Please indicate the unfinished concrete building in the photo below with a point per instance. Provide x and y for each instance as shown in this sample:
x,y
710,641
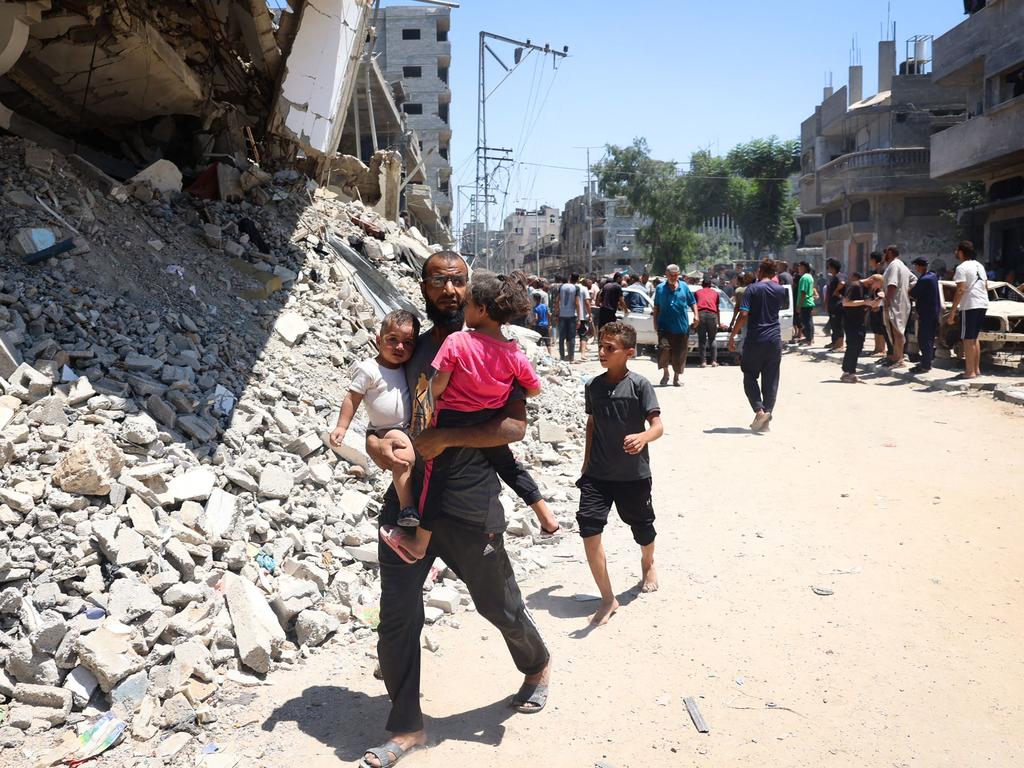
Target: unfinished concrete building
x,y
985,56
412,42
614,234
525,234
865,165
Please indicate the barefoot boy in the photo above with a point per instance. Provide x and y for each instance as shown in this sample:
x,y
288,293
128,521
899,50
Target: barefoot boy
x,y
616,465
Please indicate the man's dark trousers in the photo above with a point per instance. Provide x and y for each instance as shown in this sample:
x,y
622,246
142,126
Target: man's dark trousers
x,y
480,560
927,329
567,334
761,361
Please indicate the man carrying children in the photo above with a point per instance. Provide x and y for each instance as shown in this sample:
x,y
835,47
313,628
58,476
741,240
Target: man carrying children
x,y
467,535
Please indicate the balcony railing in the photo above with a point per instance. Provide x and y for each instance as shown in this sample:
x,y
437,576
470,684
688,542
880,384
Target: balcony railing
x,y
881,160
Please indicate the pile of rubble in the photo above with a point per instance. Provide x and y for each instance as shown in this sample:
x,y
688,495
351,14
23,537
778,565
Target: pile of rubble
x,y
170,515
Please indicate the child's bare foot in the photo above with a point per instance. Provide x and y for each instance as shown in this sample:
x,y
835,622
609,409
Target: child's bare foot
x,y
604,613
650,580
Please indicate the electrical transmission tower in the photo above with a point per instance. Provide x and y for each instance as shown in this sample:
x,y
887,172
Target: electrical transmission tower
x,y
486,155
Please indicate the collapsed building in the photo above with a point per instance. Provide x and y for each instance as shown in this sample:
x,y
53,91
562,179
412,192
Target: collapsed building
x,y
125,83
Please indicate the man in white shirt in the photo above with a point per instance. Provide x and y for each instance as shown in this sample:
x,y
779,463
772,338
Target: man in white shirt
x,y
971,299
898,281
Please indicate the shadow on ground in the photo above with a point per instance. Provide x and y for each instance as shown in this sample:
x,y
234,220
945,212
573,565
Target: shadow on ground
x,y
728,431
350,722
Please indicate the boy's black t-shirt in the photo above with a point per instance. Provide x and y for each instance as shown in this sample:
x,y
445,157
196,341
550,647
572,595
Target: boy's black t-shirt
x,y
619,409
854,316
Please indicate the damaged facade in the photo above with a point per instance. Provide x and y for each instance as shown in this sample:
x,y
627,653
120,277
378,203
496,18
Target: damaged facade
x,y
865,165
125,83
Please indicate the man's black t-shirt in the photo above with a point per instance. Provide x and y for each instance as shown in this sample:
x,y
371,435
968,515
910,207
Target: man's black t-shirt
x,y
611,294
854,317
835,303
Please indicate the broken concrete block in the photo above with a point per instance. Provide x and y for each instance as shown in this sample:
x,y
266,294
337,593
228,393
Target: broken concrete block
x,y
107,652
128,600
351,448
90,467
132,690
30,240
35,384
291,328
549,432
221,513
286,421
445,598
268,281
194,485
81,684
229,183
38,157
364,553
140,429
162,176
275,483
20,502
9,357
305,445
312,628
48,696
257,631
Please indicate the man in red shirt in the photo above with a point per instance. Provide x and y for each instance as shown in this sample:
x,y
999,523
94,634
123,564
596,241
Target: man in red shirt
x,y
708,322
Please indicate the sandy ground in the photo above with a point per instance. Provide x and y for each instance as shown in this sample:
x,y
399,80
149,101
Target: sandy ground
x,y
901,501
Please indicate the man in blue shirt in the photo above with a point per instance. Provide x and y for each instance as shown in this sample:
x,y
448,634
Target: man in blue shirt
x,y
672,300
762,348
928,305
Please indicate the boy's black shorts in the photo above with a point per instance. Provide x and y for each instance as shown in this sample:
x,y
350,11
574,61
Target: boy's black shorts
x,y
632,500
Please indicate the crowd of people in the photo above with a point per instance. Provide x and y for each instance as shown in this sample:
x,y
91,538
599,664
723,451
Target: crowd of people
x,y
445,404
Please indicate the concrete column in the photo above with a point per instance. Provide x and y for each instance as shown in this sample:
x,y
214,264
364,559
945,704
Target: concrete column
x,y
14,25
886,64
820,151
827,93
856,87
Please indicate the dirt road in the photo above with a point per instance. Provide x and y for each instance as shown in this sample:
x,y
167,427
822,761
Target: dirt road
x,y
905,503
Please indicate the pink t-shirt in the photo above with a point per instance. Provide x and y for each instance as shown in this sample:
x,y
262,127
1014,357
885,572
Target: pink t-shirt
x,y
483,371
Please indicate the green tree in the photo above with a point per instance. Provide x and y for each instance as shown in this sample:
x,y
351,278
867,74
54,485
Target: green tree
x,y
654,189
761,203
964,197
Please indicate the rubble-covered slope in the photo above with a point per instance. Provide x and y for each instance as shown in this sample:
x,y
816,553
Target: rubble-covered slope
x,y
168,510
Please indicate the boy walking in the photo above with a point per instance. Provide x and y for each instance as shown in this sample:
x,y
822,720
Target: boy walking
x,y
616,465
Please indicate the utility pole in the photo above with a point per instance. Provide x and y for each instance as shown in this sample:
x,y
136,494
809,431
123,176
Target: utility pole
x,y
483,159
590,211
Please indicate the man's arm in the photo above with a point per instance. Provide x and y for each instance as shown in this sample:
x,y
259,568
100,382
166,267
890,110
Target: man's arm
x,y
738,324
508,426
961,289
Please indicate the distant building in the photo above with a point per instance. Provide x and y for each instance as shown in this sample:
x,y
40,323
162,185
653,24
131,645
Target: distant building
x,y
985,56
615,226
526,234
865,165
413,45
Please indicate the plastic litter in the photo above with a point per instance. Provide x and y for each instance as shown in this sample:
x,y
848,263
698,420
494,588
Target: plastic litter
x,y
263,560
103,734
175,269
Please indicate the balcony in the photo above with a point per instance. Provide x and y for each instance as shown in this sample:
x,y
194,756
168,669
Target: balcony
x,y
987,145
874,171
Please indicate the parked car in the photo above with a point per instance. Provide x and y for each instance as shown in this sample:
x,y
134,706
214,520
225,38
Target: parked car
x,y
647,334
1002,333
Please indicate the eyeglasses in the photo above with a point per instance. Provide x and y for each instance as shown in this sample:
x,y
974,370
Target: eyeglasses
x,y
440,281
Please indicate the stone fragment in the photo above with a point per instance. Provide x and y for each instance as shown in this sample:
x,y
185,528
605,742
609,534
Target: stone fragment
x,y
161,176
353,504
194,485
195,658
221,513
365,553
351,449
9,357
43,696
108,653
90,466
445,598
131,548
257,631
81,684
128,600
144,726
291,328
20,502
275,483
132,690
312,628
140,429
174,743
305,445
242,479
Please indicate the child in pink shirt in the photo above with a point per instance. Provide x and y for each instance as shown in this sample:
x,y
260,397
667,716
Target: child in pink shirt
x,y
476,371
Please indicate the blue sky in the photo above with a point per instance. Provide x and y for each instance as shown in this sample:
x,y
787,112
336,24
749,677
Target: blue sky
x,y
684,74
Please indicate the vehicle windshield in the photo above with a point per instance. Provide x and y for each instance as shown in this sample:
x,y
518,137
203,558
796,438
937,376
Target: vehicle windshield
x,y
724,303
1005,292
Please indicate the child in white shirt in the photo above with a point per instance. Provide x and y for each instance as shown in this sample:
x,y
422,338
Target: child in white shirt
x,y
382,385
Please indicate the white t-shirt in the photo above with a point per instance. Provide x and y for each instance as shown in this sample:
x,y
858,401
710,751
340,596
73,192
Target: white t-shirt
x,y
971,272
385,393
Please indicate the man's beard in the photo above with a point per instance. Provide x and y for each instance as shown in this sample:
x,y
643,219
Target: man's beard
x,y
452,320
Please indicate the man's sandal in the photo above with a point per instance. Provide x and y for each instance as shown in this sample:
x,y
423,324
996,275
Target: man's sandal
x,y
531,698
386,754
